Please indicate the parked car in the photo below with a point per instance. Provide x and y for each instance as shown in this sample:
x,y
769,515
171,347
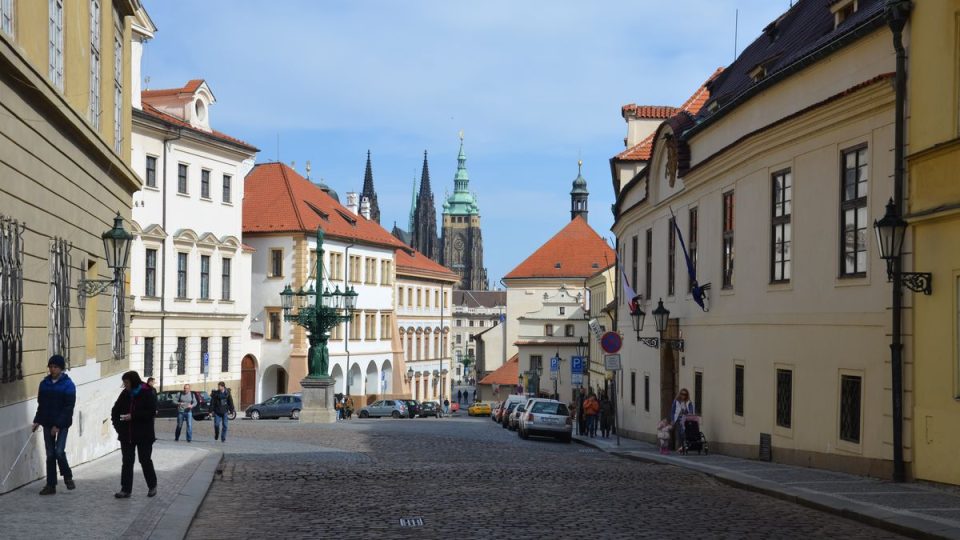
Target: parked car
x,y
413,407
385,407
497,408
279,406
431,408
505,417
513,419
167,404
546,417
479,409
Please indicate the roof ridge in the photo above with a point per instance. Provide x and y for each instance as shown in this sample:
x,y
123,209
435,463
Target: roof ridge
x,y
293,200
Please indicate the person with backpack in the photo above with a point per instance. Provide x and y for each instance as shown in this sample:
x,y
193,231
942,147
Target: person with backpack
x,y
56,399
186,401
132,415
222,404
591,408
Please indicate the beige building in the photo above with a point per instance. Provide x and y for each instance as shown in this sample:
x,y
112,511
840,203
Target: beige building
x,y
64,174
782,170
600,312
474,313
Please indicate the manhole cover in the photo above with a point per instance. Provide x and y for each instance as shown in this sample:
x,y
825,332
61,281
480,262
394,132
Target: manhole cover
x,y
411,522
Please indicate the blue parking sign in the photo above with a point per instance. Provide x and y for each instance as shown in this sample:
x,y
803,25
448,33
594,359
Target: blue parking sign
x,y
206,363
576,365
555,363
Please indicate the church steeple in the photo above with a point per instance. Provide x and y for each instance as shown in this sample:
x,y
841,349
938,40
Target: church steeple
x,y
423,233
369,192
579,195
462,202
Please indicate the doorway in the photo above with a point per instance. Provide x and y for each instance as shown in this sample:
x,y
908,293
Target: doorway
x,y
248,381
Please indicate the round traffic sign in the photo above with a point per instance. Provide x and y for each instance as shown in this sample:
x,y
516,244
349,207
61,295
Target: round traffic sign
x,y
611,342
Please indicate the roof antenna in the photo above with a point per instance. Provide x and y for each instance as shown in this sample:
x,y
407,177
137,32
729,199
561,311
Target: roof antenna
x,y
736,29
278,147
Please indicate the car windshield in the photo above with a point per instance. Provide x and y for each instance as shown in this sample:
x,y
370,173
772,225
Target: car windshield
x,y
547,407
512,406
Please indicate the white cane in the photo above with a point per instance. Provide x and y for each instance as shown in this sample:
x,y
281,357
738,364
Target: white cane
x,y
20,455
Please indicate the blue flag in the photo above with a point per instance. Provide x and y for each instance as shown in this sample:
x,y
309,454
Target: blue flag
x,y
696,290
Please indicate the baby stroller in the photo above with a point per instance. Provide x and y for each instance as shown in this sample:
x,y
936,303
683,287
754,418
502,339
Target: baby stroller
x,y
692,437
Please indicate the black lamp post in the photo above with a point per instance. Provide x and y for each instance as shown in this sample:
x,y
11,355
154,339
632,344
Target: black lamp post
x,y
891,230
661,316
583,352
116,248
328,310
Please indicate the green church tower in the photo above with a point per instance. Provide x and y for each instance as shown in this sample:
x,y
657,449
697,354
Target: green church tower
x,y
462,241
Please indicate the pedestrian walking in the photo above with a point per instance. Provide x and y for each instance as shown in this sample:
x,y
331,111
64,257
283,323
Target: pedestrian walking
x,y
591,408
606,415
56,399
459,396
132,417
474,395
348,407
446,406
152,383
186,401
681,407
222,404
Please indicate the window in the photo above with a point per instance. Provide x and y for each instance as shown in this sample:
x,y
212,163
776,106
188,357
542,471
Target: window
x,y
698,391
117,82
59,330
536,361
227,185
273,324
648,265
568,330
386,272
634,256
56,43
181,275
780,222
336,266
646,393
370,271
693,224
548,330
459,322
205,277
563,311
738,390
471,322
204,184
225,265
148,356
224,354
276,263
204,355
400,296
370,326
410,297
95,64
386,326
633,387
853,213
850,388
337,333
151,174
181,356
436,299
6,17
426,298
11,299
182,178
671,257
150,286
728,240
459,339
355,268
355,327
784,398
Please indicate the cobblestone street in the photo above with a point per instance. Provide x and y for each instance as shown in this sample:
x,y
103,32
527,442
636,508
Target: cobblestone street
x,y
468,478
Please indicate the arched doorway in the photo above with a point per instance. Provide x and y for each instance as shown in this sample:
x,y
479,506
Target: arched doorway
x,y
274,382
355,381
338,379
372,386
386,378
248,381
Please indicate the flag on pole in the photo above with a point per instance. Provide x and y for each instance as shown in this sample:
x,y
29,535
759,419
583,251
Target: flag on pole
x,y
695,289
629,292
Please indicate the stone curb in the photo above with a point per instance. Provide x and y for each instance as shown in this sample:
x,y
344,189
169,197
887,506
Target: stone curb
x,y
177,518
876,516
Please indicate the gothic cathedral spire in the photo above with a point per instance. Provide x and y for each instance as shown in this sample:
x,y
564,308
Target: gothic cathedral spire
x,y
423,234
369,192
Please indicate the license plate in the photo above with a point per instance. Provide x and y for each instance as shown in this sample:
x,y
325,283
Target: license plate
x,y
549,420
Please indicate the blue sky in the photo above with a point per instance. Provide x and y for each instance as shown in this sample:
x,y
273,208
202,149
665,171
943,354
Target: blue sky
x,y
533,84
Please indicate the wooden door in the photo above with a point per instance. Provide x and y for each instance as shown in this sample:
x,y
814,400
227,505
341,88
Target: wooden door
x,y
248,382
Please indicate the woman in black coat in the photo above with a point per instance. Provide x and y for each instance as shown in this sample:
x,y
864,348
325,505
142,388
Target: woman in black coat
x,y
132,416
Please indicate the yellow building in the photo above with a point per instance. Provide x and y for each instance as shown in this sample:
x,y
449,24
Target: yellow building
x,y
65,89
933,93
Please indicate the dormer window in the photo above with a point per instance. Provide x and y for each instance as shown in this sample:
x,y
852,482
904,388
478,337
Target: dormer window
x,y
200,108
843,9
758,73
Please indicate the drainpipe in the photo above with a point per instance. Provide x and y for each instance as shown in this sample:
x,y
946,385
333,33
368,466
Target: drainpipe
x,y
897,14
163,255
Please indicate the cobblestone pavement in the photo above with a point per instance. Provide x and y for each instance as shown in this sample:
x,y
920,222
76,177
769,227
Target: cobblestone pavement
x,y
468,478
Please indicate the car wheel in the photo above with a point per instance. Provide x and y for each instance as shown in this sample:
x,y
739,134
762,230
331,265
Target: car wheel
x,y
255,414
232,415
364,414
395,414
295,414
504,425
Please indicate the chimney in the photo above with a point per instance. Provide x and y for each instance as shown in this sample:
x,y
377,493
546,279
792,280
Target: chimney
x,y
353,202
365,207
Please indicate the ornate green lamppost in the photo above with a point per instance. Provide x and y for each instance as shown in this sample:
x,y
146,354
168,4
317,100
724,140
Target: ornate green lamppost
x,y
329,309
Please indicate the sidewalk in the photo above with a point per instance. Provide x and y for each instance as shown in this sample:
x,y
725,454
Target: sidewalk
x,y
914,509
91,511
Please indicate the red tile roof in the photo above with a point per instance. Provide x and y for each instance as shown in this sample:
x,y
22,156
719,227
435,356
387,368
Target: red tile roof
x,y
150,110
505,375
576,251
411,260
650,112
638,152
188,88
695,102
276,199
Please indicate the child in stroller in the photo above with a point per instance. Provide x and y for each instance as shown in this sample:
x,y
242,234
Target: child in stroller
x,y
691,436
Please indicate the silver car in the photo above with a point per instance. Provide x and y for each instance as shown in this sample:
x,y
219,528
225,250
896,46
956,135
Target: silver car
x,y
385,407
546,417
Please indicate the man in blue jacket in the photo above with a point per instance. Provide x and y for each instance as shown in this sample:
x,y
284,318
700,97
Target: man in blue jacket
x,y
55,401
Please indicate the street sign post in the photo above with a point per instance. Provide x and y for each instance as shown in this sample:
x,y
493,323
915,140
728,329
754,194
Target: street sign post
x,y
576,379
576,365
206,369
612,362
611,342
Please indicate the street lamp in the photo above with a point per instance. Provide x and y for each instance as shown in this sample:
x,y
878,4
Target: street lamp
x,y
661,316
409,375
891,230
116,247
328,310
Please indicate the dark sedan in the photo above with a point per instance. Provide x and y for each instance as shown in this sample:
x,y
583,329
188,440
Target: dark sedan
x,y
280,406
430,408
413,408
167,404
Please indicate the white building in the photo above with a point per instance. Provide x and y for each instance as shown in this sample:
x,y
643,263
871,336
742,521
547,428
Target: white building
x,y
423,315
475,312
553,331
282,211
190,273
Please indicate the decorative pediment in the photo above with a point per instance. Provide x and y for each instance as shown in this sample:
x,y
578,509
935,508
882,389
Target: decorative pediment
x,y
230,243
185,237
208,241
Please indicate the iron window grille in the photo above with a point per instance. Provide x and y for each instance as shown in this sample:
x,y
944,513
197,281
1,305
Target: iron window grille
x,y
204,184
182,178
181,275
151,175
227,181
224,354
648,266
728,250
853,213
671,258
204,353
692,241
59,331
150,284
646,393
11,299
181,356
633,388
784,398
850,408
225,278
780,222
56,43
205,277
148,356
738,373
117,81
698,391
95,64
